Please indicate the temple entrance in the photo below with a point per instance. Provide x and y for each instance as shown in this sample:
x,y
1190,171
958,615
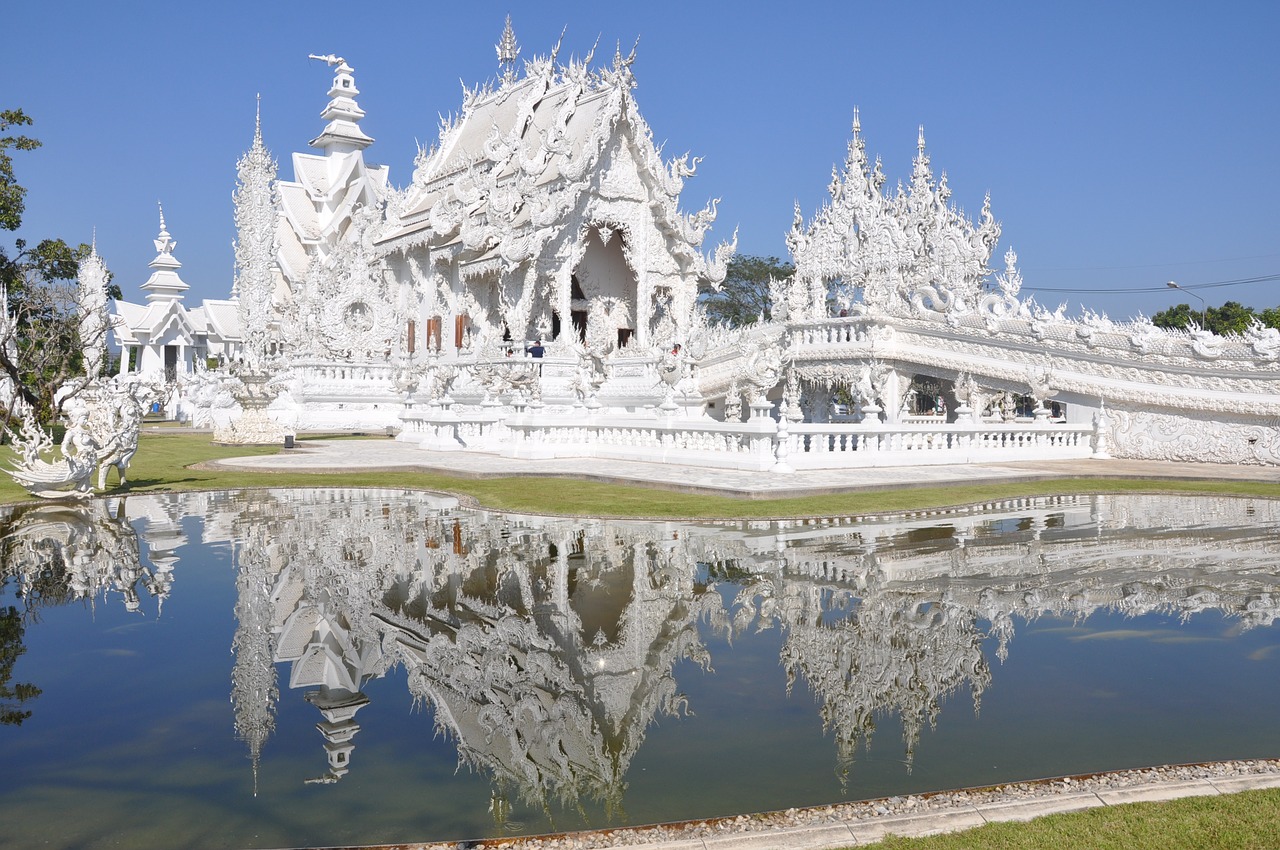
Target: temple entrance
x,y
171,362
603,295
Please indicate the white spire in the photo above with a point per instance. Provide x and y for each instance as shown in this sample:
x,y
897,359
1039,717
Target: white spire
x,y
164,283
256,245
342,134
91,305
508,52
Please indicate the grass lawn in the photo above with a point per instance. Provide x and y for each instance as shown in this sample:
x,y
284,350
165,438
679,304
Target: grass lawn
x,y
1244,821
165,462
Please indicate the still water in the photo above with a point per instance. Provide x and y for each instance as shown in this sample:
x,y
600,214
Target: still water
x,y
268,669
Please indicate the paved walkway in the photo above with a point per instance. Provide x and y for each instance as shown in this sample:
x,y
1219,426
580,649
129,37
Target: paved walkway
x,y
363,455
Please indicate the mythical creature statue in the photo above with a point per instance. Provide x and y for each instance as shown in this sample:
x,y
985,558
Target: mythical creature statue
x,y
1264,341
112,411
69,477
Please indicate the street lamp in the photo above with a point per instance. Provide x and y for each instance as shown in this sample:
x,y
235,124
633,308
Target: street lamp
x,y
1204,308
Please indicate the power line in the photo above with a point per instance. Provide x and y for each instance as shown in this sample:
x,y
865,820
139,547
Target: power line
x,y
1211,285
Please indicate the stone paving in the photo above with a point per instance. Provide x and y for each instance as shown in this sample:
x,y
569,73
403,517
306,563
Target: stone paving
x,y
387,454
851,824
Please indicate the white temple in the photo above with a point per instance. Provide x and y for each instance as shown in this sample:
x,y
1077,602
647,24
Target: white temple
x,y
533,292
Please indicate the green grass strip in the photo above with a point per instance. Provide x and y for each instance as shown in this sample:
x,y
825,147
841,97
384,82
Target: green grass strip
x,y
1249,820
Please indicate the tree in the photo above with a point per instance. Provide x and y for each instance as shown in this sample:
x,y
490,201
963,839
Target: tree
x,y
11,194
40,348
1178,316
1231,317
743,298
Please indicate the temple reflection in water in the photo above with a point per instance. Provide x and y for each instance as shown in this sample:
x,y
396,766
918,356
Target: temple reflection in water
x,y
546,647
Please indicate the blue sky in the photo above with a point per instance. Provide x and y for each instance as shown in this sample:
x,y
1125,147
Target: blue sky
x,y
1123,144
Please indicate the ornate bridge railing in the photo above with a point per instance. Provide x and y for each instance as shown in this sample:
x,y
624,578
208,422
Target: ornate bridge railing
x,y
828,446
758,444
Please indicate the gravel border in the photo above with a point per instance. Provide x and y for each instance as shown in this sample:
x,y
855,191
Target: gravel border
x,y
868,812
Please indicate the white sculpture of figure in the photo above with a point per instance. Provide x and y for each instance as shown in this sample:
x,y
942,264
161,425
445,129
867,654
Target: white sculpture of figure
x,y
69,477
762,370
125,404
866,392
1264,341
967,393
1102,431
733,403
1040,383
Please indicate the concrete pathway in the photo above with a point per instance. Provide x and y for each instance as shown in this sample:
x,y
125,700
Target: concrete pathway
x,y
352,455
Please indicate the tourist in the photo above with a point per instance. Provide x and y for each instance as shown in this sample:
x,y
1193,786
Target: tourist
x,y
536,350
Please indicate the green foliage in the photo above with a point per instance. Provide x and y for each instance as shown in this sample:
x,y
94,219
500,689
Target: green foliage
x,y
743,298
1231,317
38,280
1178,316
12,195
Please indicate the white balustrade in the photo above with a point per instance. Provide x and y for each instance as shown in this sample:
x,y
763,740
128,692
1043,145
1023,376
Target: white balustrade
x,y
753,445
834,446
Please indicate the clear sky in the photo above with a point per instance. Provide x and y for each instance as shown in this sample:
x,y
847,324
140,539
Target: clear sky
x,y
1123,144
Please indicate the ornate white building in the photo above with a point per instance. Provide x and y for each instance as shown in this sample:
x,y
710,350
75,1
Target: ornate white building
x,y
534,291
164,340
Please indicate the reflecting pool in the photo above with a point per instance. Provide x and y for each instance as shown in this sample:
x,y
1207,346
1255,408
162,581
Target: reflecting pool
x,y
327,667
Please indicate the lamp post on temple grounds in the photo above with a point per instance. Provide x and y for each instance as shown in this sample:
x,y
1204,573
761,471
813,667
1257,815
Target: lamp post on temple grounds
x,y
1204,308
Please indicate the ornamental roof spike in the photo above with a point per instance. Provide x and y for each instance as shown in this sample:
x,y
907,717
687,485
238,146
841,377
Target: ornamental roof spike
x,y
621,71
555,51
921,172
591,54
508,51
164,242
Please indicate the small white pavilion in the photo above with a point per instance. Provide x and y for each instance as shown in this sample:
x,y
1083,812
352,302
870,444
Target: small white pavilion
x,y
163,339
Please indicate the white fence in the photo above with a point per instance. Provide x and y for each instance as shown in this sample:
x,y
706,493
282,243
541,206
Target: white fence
x,y
757,444
825,446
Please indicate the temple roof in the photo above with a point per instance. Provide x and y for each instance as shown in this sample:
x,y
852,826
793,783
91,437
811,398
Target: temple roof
x,y
521,154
